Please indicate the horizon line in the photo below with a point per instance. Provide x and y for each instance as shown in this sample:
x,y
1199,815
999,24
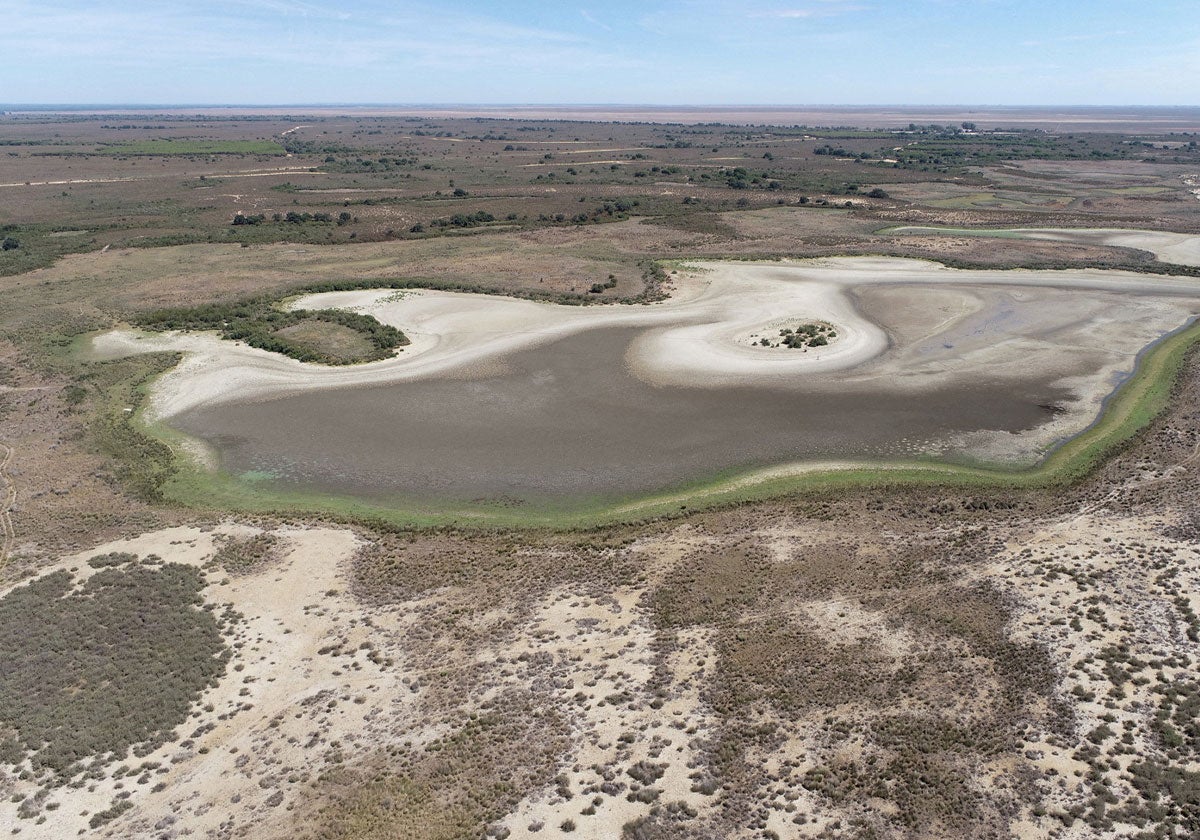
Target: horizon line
x,y
631,105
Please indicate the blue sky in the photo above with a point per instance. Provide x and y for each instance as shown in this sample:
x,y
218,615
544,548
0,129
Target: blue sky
x,y
702,52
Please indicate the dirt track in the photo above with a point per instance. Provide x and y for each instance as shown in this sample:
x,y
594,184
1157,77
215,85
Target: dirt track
x,y
7,534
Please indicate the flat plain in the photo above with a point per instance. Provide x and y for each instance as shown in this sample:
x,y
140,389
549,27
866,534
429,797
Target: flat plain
x,y
878,651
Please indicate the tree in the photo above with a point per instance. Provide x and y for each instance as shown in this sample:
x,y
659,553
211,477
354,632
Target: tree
x,y
9,244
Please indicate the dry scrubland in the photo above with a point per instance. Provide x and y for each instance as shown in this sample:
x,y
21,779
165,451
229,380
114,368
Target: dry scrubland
x,y
892,662
882,664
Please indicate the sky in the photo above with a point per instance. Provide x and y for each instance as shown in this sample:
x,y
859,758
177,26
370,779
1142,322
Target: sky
x,y
660,52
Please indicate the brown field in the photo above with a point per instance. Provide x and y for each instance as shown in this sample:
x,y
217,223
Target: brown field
x,y
882,662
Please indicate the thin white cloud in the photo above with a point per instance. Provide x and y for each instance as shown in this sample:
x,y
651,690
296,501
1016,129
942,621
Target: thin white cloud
x,y
432,50
814,9
278,50
590,18
289,7
137,37
1075,37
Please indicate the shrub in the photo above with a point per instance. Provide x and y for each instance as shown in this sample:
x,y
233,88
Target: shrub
x,y
90,670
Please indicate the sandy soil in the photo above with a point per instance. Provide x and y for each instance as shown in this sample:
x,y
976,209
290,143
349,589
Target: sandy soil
x,y
602,646
302,691
276,668
1177,248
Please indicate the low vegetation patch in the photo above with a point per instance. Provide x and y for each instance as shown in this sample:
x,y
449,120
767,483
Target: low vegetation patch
x,y
328,341
247,554
314,335
89,670
455,786
181,146
784,673
140,463
327,336
713,587
801,337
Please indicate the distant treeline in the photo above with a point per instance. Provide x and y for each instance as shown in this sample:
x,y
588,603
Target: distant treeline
x,y
462,220
291,217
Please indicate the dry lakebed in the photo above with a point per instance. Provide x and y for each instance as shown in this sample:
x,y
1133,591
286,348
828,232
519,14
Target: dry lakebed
x,y
507,401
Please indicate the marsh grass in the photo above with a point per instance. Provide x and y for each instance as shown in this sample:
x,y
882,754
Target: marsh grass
x,y
140,462
325,340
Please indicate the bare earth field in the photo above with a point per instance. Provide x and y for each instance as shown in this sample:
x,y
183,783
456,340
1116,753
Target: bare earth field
x,y
877,656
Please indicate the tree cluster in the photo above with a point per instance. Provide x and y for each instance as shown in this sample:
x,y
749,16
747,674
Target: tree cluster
x,y
257,322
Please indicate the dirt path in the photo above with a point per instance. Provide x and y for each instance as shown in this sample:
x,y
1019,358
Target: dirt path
x,y
252,173
7,534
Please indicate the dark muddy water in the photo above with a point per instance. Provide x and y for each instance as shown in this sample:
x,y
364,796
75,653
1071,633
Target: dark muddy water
x,y
566,421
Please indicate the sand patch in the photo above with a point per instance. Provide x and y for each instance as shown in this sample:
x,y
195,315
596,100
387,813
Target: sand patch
x,y
258,735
